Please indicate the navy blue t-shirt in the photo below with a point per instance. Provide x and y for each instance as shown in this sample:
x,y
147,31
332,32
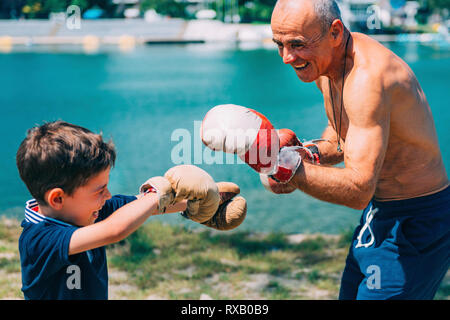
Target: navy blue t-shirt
x,y
48,272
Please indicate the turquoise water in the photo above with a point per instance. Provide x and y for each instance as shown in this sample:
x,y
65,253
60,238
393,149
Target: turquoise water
x,y
139,98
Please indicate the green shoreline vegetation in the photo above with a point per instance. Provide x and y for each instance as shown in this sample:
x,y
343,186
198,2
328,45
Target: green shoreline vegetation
x,y
161,261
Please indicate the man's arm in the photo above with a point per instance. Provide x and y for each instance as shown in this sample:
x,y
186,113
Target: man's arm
x,y
119,225
364,151
328,149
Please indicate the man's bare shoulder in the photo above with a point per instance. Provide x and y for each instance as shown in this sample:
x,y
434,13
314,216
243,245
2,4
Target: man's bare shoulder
x,y
383,67
369,83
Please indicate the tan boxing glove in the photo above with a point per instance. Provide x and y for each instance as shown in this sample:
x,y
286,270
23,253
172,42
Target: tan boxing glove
x,y
232,209
212,205
186,182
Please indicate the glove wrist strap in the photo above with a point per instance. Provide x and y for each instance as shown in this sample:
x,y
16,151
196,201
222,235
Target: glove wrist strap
x,y
289,160
313,147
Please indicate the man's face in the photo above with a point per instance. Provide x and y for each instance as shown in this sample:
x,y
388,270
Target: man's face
x,y
301,41
82,207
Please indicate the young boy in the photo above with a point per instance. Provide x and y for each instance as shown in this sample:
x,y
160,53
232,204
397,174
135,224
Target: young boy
x,y
67,224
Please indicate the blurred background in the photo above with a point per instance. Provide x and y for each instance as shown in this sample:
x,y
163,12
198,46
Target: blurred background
x,y
139,70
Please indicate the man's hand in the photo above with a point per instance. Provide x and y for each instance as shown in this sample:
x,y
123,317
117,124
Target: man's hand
x,y
287,139
309,152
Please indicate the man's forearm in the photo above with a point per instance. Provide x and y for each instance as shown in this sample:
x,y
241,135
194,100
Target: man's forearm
x,y
335,185
329,155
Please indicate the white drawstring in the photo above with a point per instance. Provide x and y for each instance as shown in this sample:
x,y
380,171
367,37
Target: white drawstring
x,y
369,218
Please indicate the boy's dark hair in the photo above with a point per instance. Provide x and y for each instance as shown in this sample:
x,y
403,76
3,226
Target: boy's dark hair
x,y
61,155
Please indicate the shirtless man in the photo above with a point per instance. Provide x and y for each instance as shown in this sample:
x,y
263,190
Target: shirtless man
x,y
381,126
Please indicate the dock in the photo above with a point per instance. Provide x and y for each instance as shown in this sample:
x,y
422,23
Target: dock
x,y
128,33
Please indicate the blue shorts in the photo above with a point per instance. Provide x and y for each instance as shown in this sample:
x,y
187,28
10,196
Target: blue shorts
x,y
400,250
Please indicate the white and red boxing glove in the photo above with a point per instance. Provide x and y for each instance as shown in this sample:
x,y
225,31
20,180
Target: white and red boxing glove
x,y
312,149
287,139
250,135
308,150
243,131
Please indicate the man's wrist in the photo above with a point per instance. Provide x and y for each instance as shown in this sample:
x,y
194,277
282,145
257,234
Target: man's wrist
x,y
298,179
313,147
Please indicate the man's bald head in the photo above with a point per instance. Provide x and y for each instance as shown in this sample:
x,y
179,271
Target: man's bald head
x,y
309,35
325,11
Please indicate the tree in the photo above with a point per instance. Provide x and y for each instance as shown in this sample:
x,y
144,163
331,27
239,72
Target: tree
x,y
165,7
256,10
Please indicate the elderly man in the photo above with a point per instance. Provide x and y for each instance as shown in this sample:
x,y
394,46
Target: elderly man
x,y
380,125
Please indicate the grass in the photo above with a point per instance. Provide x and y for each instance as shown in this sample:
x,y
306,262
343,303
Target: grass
x,y
171,262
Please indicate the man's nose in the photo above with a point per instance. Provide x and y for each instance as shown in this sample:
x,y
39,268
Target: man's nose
x,y
288,57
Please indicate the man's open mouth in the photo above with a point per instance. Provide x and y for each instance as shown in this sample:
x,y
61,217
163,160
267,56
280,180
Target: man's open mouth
x,y
301,66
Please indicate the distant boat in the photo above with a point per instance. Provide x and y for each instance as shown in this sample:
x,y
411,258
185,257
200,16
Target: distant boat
x,y
93,13
132,13
205,14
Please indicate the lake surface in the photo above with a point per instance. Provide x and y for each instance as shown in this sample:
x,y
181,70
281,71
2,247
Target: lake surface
x,y
144,98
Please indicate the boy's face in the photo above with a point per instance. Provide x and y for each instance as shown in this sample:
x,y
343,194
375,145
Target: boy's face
x,y
82,207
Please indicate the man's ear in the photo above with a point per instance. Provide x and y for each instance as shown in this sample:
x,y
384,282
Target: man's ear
x,y
55,198
337,32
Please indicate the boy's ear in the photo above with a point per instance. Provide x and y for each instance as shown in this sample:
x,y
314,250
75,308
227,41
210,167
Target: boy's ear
x,y
55,198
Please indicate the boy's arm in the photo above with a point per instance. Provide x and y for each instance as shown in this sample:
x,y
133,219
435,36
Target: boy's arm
x,y
177,207
119,225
